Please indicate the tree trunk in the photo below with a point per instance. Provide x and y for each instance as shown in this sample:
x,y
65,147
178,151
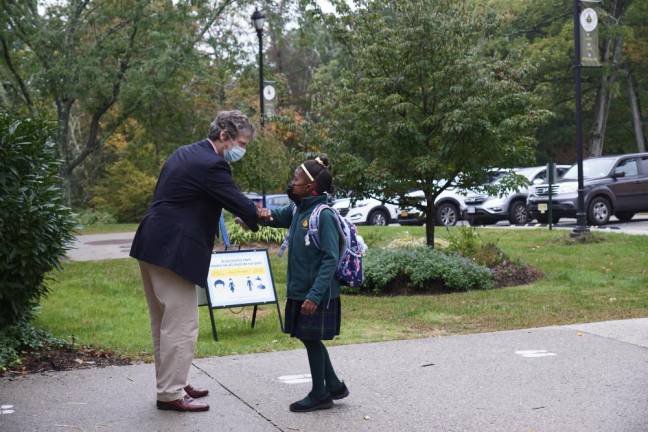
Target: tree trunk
x,y
611,57
430,221
604,99
635,106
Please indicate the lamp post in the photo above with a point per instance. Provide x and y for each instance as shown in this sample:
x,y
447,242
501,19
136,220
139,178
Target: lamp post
x,y
581,217
258,19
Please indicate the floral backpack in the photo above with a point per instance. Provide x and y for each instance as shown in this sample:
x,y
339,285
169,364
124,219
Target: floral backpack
x,y
349,269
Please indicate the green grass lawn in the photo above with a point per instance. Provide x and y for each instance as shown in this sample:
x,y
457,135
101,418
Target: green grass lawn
x,y
102,303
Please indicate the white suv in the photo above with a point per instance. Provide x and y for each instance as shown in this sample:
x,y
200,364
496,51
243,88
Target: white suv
x,y
449,206
369,211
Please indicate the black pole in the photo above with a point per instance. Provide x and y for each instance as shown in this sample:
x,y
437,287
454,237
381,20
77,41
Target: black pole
x,y
581,227
260,35
262,109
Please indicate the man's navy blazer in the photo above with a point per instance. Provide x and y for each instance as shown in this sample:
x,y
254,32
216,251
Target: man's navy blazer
x,y
180,225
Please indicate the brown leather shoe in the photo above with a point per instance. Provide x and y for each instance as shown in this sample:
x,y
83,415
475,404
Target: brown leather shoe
x,y
196,392
185,404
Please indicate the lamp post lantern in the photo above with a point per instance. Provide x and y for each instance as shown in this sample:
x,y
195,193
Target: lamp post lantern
x,y
258,20
581,217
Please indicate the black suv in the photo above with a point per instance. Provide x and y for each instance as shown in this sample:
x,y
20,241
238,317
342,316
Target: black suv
x,y
613,185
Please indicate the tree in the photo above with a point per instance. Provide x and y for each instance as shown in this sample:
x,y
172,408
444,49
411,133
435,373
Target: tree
x,y
266,165
96,63
425,98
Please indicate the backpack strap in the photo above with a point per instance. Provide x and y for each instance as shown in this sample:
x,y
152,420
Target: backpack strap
x,y
284,245
313,227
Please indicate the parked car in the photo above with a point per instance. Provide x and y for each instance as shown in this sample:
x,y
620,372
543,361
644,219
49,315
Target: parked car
x,y
276,201
369,211
449,206
256,198
613,185
483,208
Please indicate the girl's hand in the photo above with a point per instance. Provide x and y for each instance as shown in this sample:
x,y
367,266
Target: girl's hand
x,y
264,214
308,307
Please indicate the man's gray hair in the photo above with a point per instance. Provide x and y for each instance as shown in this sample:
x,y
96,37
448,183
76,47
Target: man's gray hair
x,y
232,122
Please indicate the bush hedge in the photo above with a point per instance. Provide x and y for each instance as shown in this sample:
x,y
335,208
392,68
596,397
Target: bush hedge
x,y
421,270
35,224
268,235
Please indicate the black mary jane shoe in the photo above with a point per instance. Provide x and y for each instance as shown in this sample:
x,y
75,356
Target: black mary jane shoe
x,y
310,403
340,393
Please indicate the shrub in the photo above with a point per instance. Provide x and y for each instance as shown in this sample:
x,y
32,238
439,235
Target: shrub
x,y
35,225
469,244
421,270
23,336
125,191
268,235
92,217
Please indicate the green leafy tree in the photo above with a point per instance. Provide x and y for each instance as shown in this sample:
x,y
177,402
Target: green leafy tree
x,y
95,63
266,165
424,99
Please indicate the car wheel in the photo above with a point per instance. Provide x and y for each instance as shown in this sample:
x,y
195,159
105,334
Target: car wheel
x,y
518,213
624,216
447,214
379,217
599,211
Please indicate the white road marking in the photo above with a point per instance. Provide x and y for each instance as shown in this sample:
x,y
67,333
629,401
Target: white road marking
x,y
295,379
535,353
7,409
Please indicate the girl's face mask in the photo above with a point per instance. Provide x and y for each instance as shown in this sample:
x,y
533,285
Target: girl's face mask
x,y
299,187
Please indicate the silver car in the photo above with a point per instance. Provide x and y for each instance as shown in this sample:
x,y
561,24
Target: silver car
x,y
483,208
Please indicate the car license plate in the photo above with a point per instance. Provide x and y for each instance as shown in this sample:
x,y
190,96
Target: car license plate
x,y
404,213
471,210
542,207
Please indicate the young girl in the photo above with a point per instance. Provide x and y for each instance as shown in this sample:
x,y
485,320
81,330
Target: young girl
x,y
313,310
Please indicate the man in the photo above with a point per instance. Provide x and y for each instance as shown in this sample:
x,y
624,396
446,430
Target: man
x,y
174,242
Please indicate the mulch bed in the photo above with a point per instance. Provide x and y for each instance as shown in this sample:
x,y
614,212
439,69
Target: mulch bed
x,y
57,358
510,273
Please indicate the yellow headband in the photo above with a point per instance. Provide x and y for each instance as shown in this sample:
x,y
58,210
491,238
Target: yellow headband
x,y
303,167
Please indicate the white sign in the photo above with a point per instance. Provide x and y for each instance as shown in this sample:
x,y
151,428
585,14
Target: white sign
x,y
589,19
269,92
240,278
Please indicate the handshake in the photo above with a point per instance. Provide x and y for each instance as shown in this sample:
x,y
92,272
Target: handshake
x,y
263,214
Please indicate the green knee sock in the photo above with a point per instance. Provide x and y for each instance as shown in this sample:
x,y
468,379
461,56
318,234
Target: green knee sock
x,y
317,363
332,381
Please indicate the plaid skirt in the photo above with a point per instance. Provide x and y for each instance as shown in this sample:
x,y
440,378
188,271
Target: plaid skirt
x,y
324,324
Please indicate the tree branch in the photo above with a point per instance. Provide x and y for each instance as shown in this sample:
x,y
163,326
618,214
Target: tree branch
x,y
14,72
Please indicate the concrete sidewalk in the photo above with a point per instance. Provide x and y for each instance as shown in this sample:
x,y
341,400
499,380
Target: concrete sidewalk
x,y
591,377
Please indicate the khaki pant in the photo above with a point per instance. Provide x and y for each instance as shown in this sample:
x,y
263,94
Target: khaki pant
x,y
174,325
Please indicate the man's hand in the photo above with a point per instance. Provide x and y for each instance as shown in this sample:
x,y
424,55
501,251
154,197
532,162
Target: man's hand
x,y
308,307
264,214
240,222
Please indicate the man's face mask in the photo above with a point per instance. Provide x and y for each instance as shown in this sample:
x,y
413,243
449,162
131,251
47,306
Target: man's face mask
x,y
234,153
